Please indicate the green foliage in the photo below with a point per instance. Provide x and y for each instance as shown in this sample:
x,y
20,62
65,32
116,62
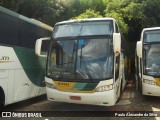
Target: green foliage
x,y
119,19
131,15
44,10
89,13
133,11
114,9
11,4
124,11
151,10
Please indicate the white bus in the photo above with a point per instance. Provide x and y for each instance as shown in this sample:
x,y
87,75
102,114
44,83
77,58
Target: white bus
x,y
148,62
86,62
21,71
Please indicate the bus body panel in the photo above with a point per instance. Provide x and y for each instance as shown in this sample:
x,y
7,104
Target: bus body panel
x,y
98,98
13,78
8,58
88,97
148,89
73,90
21,71
151,88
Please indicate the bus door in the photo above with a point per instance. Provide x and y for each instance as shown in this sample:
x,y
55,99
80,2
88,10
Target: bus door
x,y
117,75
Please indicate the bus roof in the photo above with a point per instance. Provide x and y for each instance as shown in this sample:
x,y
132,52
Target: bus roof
x,y
83,20
151,28
21,17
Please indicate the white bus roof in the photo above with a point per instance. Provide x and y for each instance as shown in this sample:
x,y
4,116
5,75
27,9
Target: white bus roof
x,y
151,28
148,29
87,19
24,18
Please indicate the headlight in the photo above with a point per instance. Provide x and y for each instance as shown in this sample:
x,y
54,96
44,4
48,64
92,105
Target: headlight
x,y
50,85
151,82
104,88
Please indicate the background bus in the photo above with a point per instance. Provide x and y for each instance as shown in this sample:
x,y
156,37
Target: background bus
x,y
148,62
87,62
21,71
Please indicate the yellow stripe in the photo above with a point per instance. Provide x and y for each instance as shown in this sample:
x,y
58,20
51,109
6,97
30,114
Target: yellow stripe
x,y
54,57
157,81
67,87
64,86
46,26
6,61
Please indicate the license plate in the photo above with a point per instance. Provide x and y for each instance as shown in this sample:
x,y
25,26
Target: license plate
x,y
75,97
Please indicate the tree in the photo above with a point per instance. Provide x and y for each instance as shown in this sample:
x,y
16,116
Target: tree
x,y
11,4
48,11
151,10
124,11
89,13
131,15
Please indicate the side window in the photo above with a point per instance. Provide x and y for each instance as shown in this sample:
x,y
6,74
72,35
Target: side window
x,y
117,67
117,28
9,30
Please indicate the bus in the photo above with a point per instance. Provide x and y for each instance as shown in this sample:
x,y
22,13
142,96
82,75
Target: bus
x,y
21,71
148,62
86,62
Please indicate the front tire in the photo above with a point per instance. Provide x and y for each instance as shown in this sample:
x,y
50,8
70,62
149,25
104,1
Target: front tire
x,y
2,99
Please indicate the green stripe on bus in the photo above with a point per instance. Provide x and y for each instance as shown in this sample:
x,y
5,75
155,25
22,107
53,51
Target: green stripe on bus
x,y
78,86
84,86
90,86
32,65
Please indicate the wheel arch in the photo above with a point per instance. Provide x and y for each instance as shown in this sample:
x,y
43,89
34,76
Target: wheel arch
x,y
2,97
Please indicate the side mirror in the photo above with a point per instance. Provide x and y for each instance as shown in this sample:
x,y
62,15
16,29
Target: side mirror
x,y
117,43
38,46
139,49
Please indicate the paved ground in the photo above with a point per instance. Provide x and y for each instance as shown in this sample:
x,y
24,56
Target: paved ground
x,y
130,101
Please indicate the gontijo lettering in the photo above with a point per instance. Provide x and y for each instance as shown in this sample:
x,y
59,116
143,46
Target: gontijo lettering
x,y
4,58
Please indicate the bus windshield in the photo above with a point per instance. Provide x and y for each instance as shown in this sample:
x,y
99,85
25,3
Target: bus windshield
x,y
151,36
81,58
152,59
83,29
151,54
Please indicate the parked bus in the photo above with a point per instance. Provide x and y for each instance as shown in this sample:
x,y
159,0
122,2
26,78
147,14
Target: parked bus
x,y
86,63
148,62
21,71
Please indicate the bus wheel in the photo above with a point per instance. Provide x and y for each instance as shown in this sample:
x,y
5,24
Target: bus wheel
x,y
2,98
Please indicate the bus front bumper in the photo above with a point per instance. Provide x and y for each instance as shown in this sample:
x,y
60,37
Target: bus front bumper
x,y
106,98
151,90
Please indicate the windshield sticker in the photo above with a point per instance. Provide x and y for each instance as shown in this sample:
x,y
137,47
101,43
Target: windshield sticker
x,y
81,42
